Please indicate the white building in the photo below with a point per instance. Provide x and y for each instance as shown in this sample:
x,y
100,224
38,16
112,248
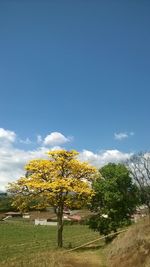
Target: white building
x,y
44,222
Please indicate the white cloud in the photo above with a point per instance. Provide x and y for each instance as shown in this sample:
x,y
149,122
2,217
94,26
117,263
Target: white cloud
x,y
56,148
27,141
103,157
121,136
7,136
39,139
55,139
13,159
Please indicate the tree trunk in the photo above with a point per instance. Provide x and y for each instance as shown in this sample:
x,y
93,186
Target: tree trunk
x,y
60,226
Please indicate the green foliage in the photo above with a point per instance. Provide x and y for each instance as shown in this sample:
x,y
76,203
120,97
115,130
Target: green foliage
x,y
145,195
115,199
6,203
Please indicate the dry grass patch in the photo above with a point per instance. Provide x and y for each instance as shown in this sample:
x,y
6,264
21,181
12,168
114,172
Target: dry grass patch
x,y
57,259
131,249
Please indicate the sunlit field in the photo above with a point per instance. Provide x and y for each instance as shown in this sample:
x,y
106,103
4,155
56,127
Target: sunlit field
x,y
23,243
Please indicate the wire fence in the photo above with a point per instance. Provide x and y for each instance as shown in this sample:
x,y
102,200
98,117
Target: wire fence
x,y
93,241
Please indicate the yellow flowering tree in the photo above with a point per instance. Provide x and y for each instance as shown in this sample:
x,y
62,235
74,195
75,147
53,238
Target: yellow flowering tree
x,y
60,181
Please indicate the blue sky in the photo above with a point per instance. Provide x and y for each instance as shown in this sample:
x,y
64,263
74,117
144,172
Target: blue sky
x,y
79,68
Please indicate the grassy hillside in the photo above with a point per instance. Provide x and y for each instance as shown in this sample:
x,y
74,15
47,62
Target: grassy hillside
x,y
132,248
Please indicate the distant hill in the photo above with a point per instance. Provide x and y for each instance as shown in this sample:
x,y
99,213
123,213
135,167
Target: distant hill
x,y
132,248
3,194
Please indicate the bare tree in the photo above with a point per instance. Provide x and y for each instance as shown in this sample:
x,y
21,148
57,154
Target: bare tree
x,y
139,166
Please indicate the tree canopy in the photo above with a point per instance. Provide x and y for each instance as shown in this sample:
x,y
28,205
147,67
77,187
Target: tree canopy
x,y
115,199
5,203
60,181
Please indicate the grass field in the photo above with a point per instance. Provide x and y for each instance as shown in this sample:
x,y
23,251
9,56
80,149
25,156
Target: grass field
x,y
22,242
